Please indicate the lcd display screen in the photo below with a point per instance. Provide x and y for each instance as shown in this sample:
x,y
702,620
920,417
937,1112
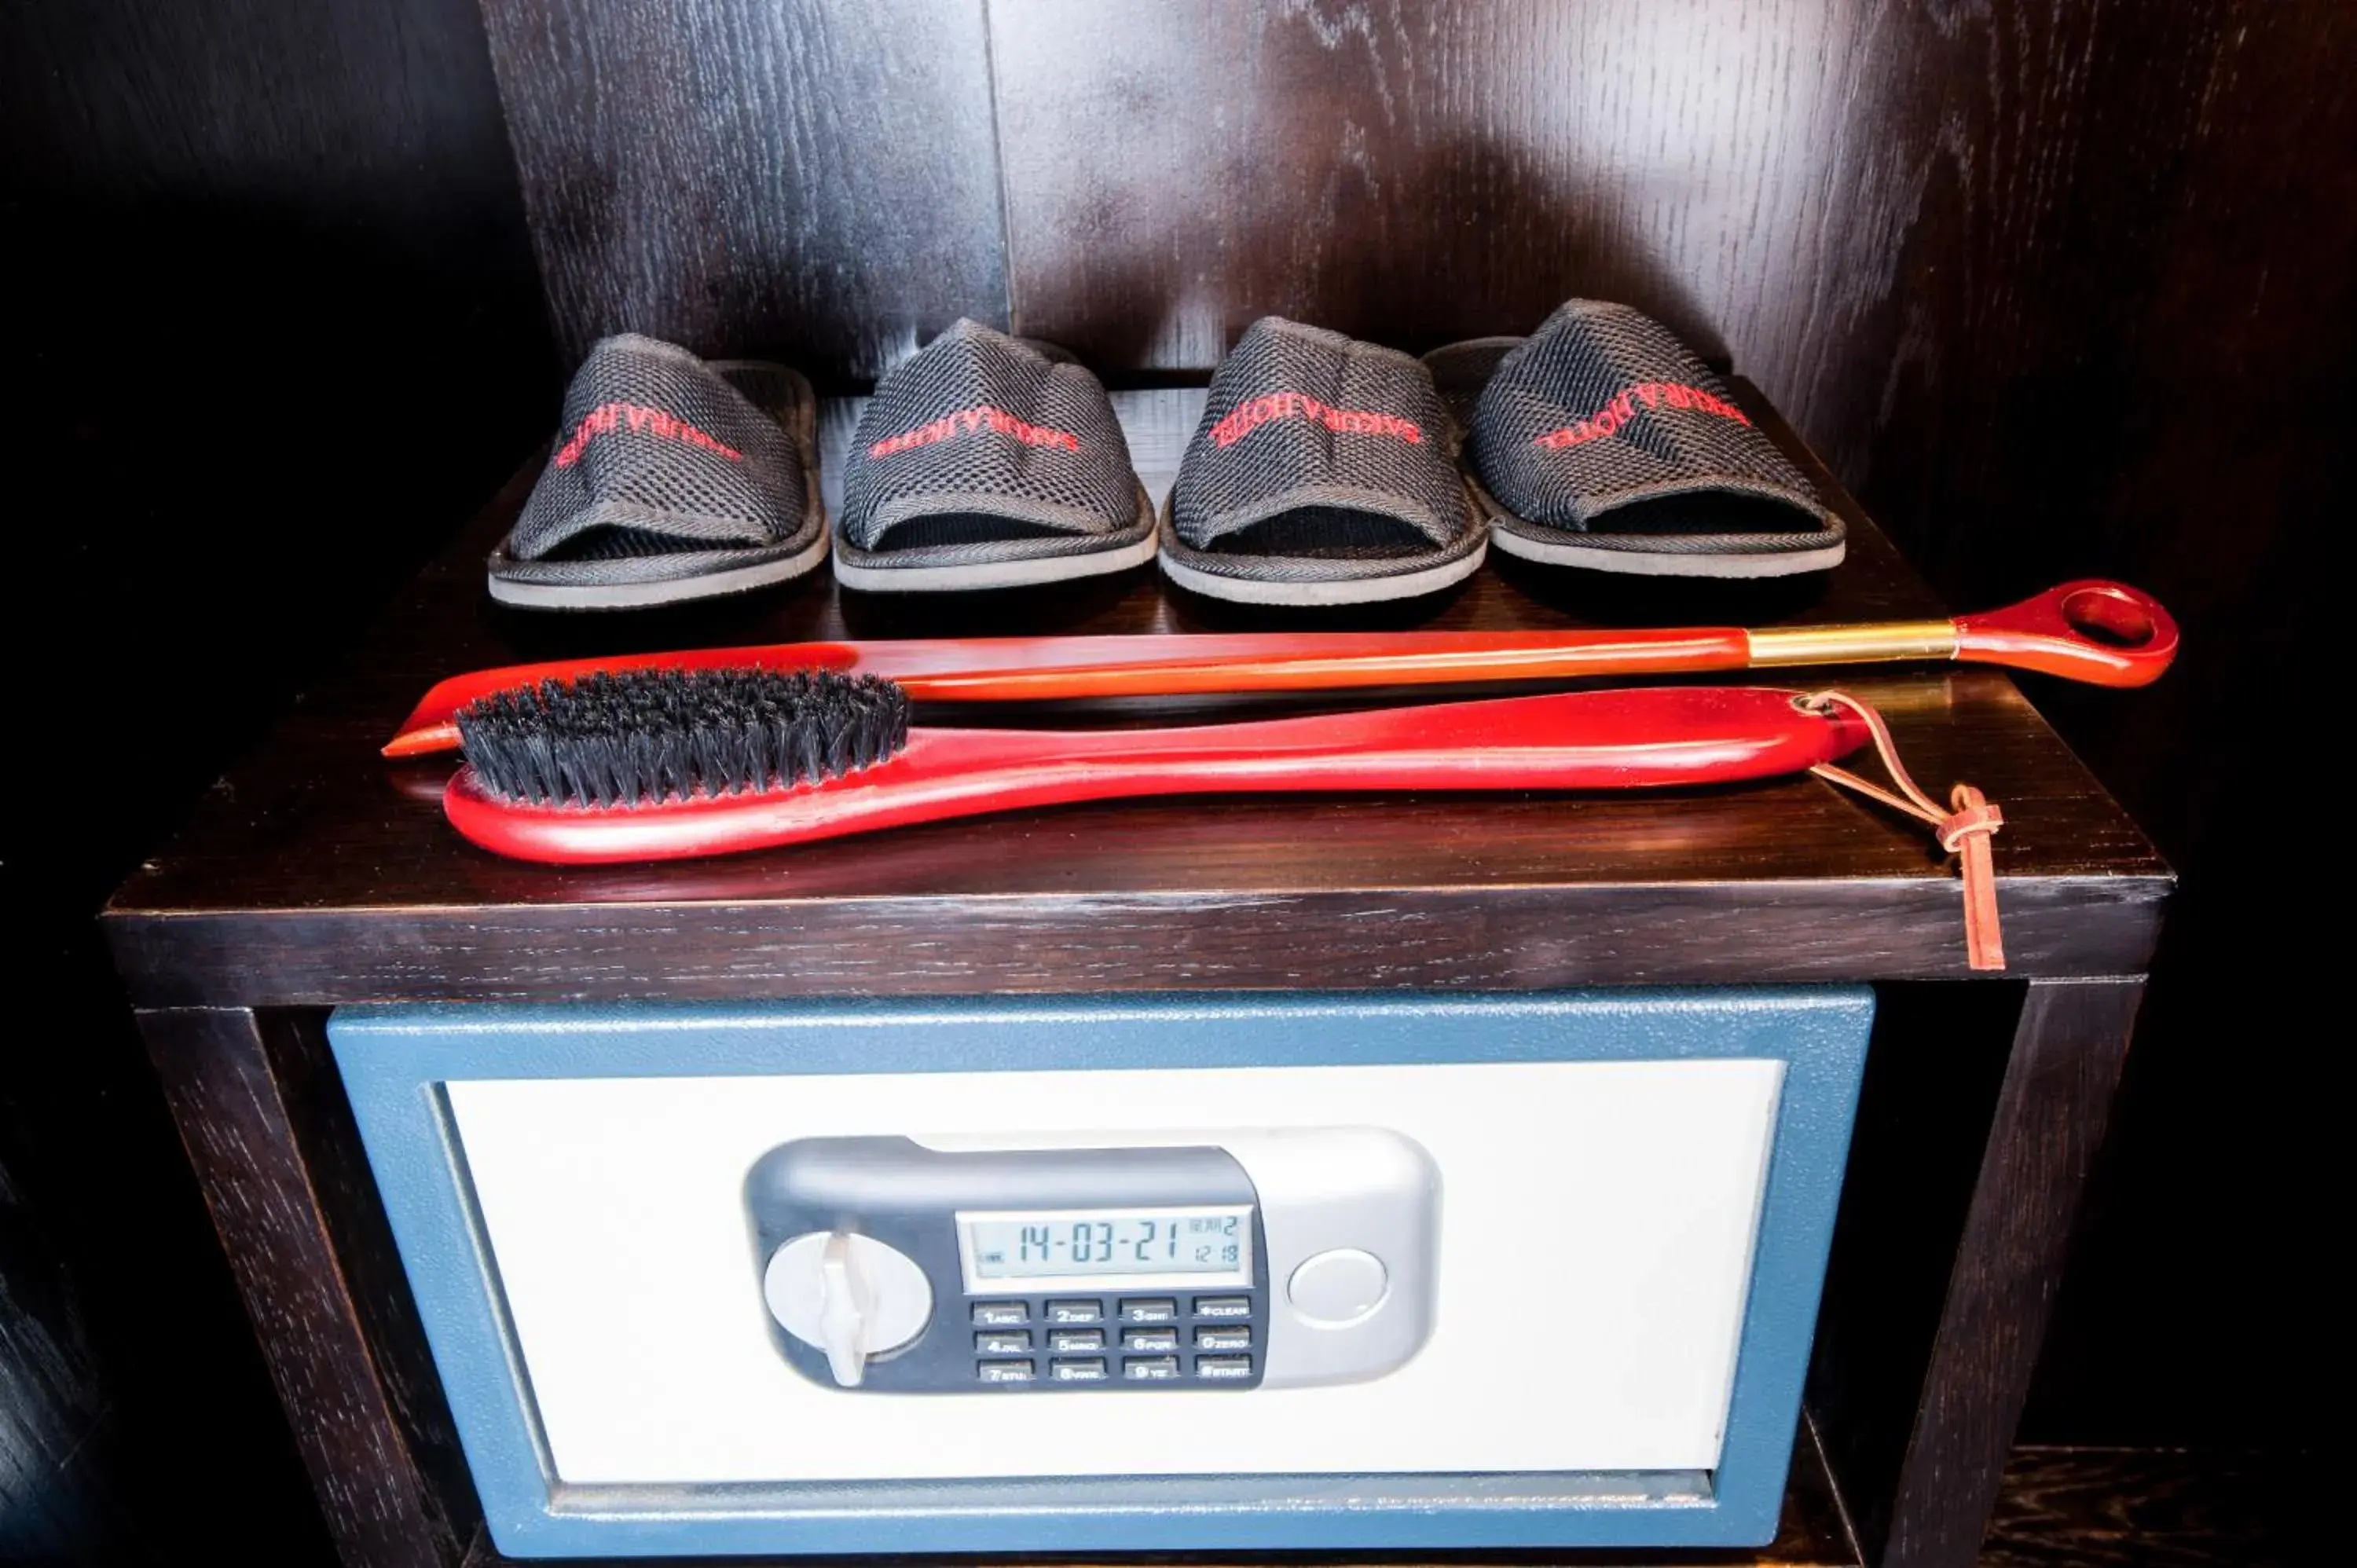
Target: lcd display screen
x,y
1211,1244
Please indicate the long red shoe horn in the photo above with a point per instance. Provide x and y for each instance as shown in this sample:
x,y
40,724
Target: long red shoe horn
x,y
1647,737
2107,634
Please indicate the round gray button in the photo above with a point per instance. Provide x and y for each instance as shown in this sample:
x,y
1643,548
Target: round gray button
x,y
1339,1286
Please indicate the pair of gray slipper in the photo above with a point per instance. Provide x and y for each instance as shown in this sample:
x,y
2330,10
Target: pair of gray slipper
x,y
1330,471
983,462
1325,471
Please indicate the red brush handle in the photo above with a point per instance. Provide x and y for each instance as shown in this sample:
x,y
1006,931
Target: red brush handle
x,y
2104,632
1587,740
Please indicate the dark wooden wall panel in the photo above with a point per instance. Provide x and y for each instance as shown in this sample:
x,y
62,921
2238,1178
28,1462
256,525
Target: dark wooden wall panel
x,y
274,323
790,177
1413,171
2166,394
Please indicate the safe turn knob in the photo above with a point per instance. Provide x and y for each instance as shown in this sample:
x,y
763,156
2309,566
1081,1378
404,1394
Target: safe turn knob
x,y
849,1295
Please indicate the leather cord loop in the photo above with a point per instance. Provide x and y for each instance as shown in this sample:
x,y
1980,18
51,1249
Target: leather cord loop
x,y
1963,829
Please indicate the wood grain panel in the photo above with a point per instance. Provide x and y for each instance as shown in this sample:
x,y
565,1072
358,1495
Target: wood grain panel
x,y
2097,318
1413,171
61,1469
1386,937
785,178
2051,1112
240,1128
342,1185
1932,1078
2112,1508
275,325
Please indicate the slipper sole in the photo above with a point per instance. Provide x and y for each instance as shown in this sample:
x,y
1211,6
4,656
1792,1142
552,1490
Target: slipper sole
x,y
524,594
1654,564
864,578
1340,591
1414,582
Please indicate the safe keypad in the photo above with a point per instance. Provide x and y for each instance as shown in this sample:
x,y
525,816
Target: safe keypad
x,y
1169,1341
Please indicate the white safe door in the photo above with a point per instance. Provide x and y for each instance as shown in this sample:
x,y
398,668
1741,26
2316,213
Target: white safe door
x,y
1596,1237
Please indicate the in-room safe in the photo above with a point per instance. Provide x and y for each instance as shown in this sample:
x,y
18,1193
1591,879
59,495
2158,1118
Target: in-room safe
x,y
1306,1271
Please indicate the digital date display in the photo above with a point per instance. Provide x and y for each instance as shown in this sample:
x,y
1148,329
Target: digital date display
x,y
1196,1245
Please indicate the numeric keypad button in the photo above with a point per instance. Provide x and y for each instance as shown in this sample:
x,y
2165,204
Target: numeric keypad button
x,y
1149,1309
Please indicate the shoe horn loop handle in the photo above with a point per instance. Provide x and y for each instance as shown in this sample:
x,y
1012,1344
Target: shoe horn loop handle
x,y
2105,634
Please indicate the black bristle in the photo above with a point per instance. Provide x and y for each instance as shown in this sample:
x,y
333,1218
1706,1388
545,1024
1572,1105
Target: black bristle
x,y
643,736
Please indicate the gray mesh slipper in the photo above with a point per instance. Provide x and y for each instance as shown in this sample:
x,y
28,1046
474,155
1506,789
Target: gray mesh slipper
x,y
988,462
1324,473
673,479
1602,442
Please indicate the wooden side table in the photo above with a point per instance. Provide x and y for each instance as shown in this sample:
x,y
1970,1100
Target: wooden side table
x,y
317,875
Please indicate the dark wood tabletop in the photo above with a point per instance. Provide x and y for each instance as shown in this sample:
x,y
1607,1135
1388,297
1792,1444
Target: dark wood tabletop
x,y
318,872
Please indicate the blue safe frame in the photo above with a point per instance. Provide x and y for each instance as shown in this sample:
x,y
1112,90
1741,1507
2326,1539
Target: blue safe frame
x,y
395,1059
